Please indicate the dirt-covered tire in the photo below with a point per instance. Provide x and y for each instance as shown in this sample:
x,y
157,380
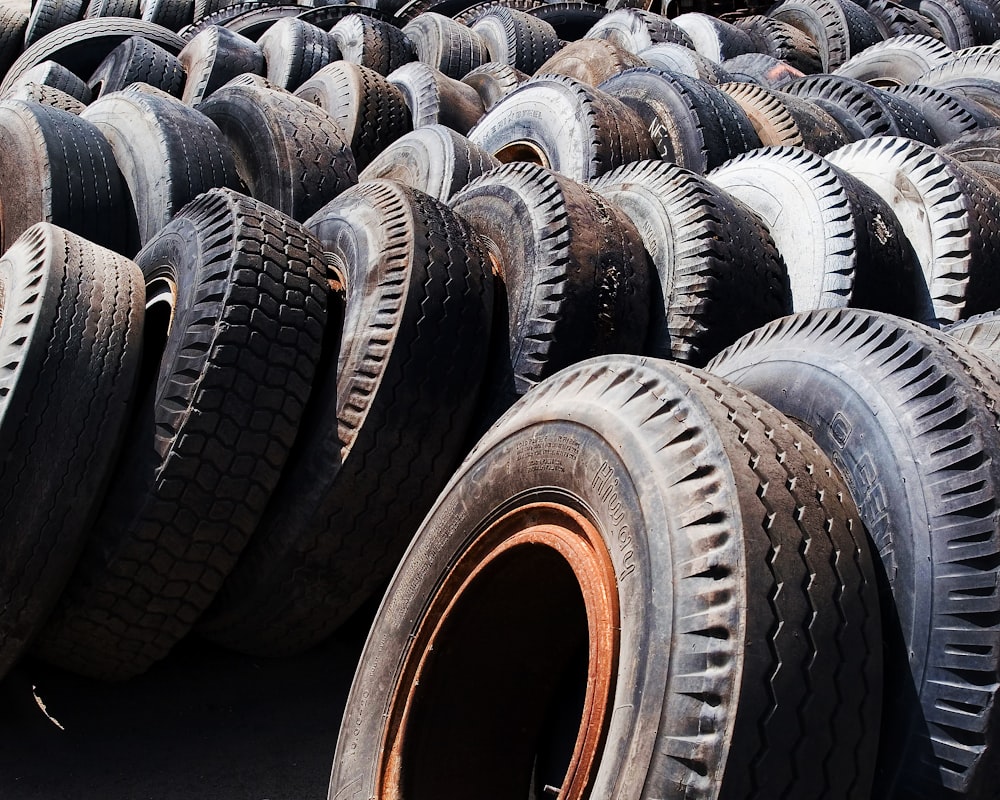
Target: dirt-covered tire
x,y
895,62
213,58
49,73
113,8
435,99
947,211
910,419
895,19
842,243
690,123
434,159
46,95
138,60
948,114
633,29
469,15
82,46
572,275
590,61
783,41
978,150
981,333
170,14
629,534
66,175
493,81
515,38
289,152
963,23
12,26
294,51
714,38
236,299
840,28
387,423
167,153
975,76
783,120
530,124
719,273
762,69
71,342
49,15
446,45
370,111
372,43
678,58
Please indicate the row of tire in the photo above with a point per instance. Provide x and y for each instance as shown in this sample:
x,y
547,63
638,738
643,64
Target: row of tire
x,y
261,442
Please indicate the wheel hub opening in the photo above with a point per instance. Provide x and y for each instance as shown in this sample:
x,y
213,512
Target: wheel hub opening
x,y
522,151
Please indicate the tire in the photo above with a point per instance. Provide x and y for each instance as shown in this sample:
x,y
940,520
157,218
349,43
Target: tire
x,y
590,61
840,28
170,14
13,24
387,425
719,273
253,23
474,12
574,277
975,77
435,99
530,124
763,70
137,60
49,15
571,19
714,38
948,114
446,45
71,344
895,19
290,153
944,210
650,545
783,41
677,58
326,17
113,8
46,95
909,418
493,81
516,38
221,18
981,333
978,150
213,58
82,46
842,243
66,175
954,18
692,124
370,111
633,29
49,73
203,8
294,51
434,160
156,139
243,291
895,62
373,44
783,120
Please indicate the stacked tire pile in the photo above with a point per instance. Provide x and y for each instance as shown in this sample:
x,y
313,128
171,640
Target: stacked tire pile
x,y
726,523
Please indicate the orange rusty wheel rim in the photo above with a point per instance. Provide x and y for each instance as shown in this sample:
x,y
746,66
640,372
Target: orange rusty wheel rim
x,y
441,743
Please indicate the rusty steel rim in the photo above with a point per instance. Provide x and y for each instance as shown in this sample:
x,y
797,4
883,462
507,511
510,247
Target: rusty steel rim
x,y
556,529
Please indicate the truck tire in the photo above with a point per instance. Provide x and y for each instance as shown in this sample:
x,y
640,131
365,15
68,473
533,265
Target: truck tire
x,y
372,43
213,58
138,60
840,28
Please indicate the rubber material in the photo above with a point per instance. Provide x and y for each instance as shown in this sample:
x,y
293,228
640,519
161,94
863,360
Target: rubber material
x,y
294,51
372,43
213,58
138,60
435,99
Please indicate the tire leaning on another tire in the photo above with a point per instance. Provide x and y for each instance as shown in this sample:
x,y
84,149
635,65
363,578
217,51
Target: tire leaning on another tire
x,y
613,547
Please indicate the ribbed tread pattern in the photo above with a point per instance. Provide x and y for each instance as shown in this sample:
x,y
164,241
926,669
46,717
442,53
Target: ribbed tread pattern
x,y
980,332
515,38
46,95
633,29
372,43
294,51
446,45
207,449
12,26
783,41
49,15
894,19
113,8
213,58
138,60
903,58
49,73
170,14
840,28
948,114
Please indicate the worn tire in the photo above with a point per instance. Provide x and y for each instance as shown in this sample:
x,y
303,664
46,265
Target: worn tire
x,y
783,41
493,81
372,43
294,51
170,14
840,28
515,38
981,333
12,26
243,290
590,61
678,58
895,19
714,38
49,15
633,29
213,58
978,150
138,60
435,99
113,8
49,73
975,76
446,45
948,114
895,62
762,69
46,95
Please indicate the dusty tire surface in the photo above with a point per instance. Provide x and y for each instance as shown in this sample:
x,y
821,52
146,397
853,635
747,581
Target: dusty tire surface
x,y
840,28
138,60
213,58
435,99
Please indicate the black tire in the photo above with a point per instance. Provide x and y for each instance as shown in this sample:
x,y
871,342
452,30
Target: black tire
x,y
435,99
951,18
675,523
842,243
720,275
572,275
446,45
46,95
762,69
783,41
590,61
895,19
113,8
370,111
82,46
204,8
71,342
171,14
895,62
373,44
840,28
678,58
290,153
571,19
213,58
221,17
474,12
909,417
138,60
714,38
49,73
513,37
66,175
294,51
978,150
243,291
49,15
948,114
946,211
434,159
167,152
386,426
603,132
981,333
975,76
13,23
253,23
783,120
327,16
493,81
691,123
633,29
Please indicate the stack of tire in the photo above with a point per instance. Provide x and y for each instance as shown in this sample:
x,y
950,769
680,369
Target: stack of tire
x,y
726,523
